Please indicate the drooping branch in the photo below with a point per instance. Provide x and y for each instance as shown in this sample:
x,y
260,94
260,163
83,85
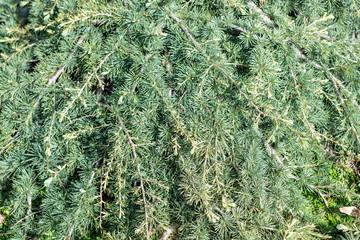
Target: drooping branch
x,y
77,213
132,145
133,149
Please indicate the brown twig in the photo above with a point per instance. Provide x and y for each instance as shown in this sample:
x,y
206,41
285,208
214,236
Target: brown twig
x,y
9,144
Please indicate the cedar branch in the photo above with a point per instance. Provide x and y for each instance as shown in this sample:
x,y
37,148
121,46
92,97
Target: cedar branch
x,y
54,77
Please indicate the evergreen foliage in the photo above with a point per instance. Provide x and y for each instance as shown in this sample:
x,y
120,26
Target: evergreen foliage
x,y
141,119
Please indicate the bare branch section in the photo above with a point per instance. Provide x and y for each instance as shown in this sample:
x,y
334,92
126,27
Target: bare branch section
x,y
167,234
28,213
263,16
198,47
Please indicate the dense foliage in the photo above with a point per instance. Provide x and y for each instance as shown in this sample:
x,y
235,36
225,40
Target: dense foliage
x,y
198,119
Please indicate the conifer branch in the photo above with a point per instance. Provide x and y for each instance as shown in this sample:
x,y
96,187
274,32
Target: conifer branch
x,y
335,82
353,129
302,105
180,125
248,99
204,124
72,225
271,23
132,145
272,152
241,29
87,17
187,32
101,197
341,190
22,219
77,213
20,51
290,175
77,119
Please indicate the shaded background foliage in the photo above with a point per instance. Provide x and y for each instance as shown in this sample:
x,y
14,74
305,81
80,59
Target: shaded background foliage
x,y
197,119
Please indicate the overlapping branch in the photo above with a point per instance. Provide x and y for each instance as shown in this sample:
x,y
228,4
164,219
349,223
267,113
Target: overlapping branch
x,y
303,57
199,48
